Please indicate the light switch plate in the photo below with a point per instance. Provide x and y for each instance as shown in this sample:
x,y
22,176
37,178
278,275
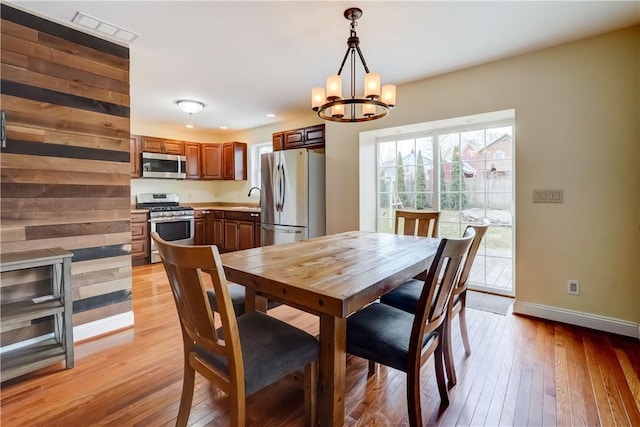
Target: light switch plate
x,y
548,196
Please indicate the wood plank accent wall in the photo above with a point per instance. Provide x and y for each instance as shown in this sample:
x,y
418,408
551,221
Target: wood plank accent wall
x,y
65,169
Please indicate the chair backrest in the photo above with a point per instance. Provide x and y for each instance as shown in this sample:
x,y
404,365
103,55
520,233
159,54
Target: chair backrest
x,y
417,222
185,266
481,230
434,300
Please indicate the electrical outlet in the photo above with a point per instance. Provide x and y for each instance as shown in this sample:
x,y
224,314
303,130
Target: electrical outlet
x,y
573,287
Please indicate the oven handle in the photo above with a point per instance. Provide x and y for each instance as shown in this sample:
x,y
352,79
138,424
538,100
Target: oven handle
x,y
156,221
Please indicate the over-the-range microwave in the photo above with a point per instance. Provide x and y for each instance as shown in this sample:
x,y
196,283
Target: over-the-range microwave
x,y
157,165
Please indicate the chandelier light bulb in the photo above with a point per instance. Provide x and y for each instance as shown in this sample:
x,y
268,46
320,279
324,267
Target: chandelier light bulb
x,y
334,87
389,95
337,111
368,110
317,97
372,85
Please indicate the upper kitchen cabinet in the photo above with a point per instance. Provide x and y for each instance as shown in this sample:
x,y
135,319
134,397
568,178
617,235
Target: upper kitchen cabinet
x,y
134,154
192,152
224,161
234,161
278,141
211,161
308,137
159,145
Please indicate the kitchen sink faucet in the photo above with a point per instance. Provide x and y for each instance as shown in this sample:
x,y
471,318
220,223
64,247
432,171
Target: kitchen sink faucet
x,y
254,188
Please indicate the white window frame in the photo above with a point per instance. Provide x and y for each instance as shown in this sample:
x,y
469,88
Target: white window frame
x,y
256,151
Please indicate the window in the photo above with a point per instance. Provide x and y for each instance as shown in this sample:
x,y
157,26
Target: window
x,y
460,172
257,150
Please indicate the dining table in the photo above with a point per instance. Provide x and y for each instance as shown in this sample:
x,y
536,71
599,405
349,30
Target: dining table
x,y
332,277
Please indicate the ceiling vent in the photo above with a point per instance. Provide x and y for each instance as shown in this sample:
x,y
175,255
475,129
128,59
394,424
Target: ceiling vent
x,y
104,28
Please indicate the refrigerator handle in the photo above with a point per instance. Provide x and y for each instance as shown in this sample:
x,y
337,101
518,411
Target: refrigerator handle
x,y
278,188
284,188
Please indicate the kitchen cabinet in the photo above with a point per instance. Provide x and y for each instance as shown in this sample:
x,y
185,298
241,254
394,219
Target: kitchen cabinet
x,y
134,155
217,229
160,145
192,152
226,161
27,306
140,242
277,140
308,137
234,230
311,137
234,160
211,161
239,230
200,228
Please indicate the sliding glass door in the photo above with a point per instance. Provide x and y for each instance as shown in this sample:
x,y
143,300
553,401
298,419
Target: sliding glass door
x,y
467,174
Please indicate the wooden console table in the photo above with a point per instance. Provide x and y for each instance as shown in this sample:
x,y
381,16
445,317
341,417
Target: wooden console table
x,y
17,314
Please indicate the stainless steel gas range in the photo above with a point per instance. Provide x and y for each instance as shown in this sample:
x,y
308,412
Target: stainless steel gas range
x,y
171,221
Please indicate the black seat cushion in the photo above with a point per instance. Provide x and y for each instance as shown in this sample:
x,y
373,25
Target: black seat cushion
x,y
381,333
271,349
236,292
405,297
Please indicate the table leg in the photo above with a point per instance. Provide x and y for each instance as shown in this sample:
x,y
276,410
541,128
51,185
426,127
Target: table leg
x,y
333,360
254,302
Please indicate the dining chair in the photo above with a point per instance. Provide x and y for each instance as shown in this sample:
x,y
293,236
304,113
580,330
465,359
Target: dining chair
x,y
406,297
417,222
243,355
405,341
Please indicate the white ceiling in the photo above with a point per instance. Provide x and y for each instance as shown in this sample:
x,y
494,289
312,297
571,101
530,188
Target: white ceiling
x,y
246,59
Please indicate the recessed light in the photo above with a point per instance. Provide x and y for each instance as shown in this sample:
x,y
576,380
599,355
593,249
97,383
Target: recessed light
x,y
189,126
271,115
224,127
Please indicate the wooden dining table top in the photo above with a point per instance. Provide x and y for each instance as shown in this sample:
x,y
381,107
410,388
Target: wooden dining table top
x,y
335,274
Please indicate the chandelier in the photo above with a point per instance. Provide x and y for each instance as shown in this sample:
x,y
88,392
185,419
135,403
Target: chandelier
x,y
376,102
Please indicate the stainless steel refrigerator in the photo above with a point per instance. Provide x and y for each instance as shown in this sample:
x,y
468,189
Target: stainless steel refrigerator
x,y
292,196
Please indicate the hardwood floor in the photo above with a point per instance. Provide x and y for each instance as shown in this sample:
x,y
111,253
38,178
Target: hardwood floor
x,y
522,371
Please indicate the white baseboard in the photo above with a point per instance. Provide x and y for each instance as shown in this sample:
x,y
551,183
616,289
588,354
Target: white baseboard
x,y
102,326
577,318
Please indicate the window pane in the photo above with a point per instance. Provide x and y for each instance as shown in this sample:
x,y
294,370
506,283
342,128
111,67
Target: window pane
x,y
256,152
406,148
387,154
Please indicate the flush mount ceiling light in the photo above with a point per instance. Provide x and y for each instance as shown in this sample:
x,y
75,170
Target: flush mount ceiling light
x,y
104,28
376,102
190,106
